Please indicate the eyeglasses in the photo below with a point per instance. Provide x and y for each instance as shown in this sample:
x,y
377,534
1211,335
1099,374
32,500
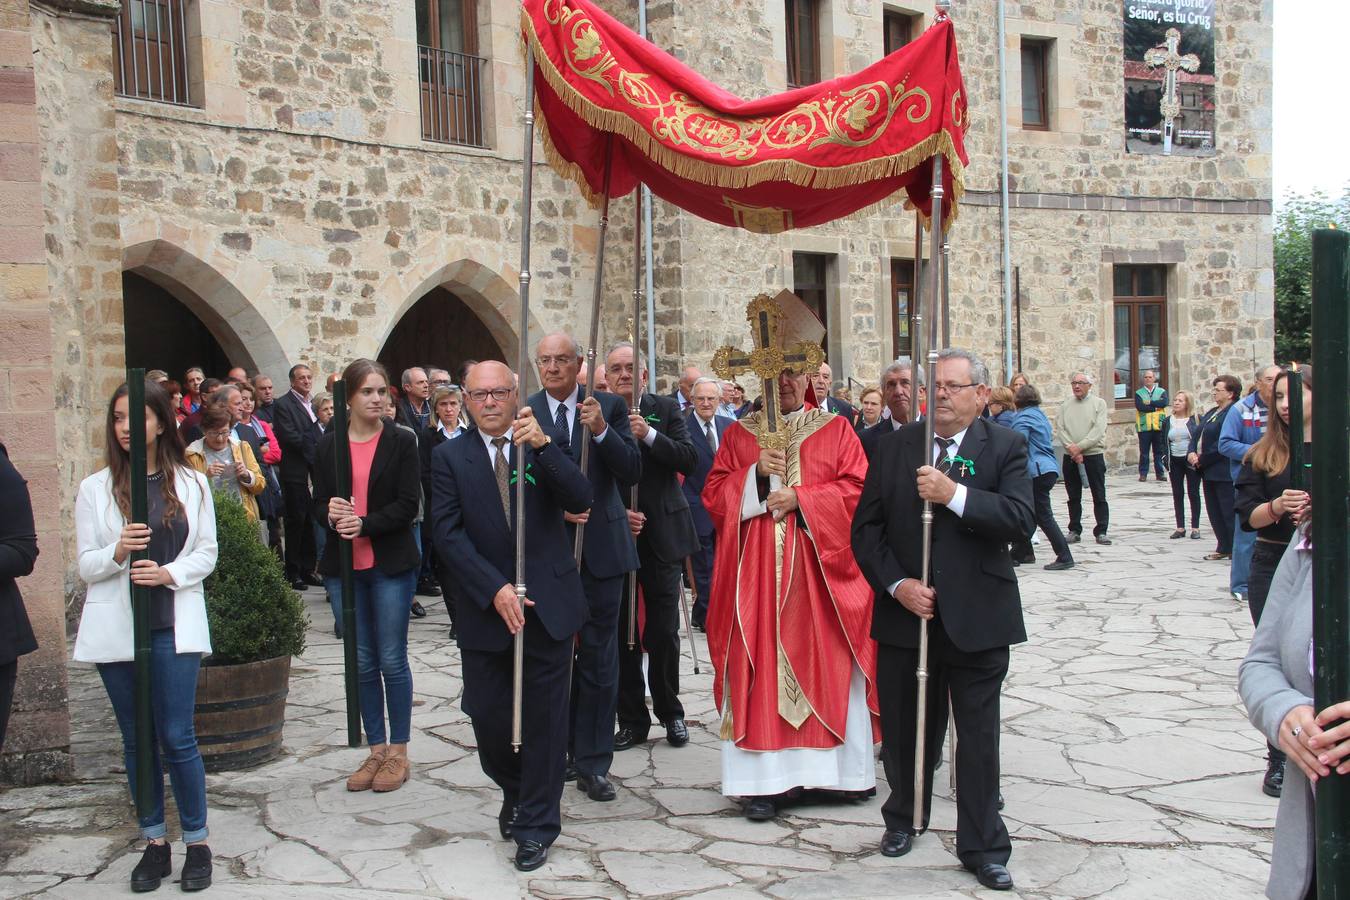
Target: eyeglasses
x,y
950,389
559,360
1080,383
218,434
498,394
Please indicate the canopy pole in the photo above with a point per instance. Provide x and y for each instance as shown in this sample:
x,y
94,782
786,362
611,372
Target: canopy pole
x,y
140,600
916,329
343,484
647,241
636,407
1331,537
522,364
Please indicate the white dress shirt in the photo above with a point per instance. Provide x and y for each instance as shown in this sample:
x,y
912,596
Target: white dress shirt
x,y
710,435
958,502
571,401
492,451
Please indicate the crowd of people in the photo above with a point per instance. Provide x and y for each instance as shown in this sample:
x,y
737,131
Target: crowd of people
x,y
804,558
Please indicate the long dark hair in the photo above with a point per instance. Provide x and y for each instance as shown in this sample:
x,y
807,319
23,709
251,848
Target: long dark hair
x,y
169,452
1270,455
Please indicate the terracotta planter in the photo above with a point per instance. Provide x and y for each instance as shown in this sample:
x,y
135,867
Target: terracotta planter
x,y
240,713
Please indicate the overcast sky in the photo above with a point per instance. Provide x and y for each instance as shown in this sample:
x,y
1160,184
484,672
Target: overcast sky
x,y
1312,133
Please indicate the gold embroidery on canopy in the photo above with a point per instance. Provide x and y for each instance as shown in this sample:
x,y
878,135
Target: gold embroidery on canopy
x,y
759,219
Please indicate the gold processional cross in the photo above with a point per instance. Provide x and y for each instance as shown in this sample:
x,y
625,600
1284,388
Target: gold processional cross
x,y
1170,58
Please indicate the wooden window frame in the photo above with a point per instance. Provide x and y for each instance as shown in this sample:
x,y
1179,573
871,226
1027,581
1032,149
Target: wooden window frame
x,y
1134,302
910,22
902,278
1040,47
815,296
152,68
450,82
809,11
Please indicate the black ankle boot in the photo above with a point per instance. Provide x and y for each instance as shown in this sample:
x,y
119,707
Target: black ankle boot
x,y
197,868
1273,784
155,866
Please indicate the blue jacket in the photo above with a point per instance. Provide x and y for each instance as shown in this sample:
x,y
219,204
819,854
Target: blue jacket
x,y
695,480
1242,428
1032,424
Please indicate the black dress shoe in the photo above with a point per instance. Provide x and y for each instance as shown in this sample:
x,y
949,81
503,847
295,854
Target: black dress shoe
x,y
506,817
570,773
896,843
427,588
1059,565
1273,784
1073,537
597,787
627,738
196,874
419,610
454,635
299,584
530,855
760,809
1103,540
993,876
677,733
155,865
314,579
1000,800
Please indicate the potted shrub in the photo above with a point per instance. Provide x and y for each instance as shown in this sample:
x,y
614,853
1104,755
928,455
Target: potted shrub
x,y
257,624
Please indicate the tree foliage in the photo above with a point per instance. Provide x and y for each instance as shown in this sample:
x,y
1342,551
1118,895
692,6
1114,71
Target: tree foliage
x,y
1295,222
253,612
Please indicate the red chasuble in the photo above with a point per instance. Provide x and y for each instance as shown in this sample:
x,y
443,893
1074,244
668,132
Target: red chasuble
x,y
783,663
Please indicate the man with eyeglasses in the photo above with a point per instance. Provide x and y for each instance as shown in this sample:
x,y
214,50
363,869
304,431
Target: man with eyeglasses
x,y
975,477
473,515
608,549
1081,430
707,423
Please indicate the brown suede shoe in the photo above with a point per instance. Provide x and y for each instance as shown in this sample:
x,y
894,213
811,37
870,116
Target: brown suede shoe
x,y
364,777
393,773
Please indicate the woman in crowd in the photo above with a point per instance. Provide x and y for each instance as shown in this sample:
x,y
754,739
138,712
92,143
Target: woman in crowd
x,y
179,538
270,504
446,404
377,520
869,406
391,413
1181,427
1044,472
1276,684
1017,381
1213,466
1267,504
227,461
323,411
175,392
1002,406
18,552
192,395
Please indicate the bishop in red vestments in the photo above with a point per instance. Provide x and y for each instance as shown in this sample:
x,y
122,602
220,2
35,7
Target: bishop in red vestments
x,y
788,626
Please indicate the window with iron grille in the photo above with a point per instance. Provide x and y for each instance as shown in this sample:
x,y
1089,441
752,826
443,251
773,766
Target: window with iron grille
x,y
803,42
450,72
150,51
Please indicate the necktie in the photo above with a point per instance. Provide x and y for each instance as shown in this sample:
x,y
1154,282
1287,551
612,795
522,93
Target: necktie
x,y
503,473
562,434
712,435
944,462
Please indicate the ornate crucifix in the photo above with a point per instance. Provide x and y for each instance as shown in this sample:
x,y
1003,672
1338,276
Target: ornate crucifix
x,y
767,361
1170,58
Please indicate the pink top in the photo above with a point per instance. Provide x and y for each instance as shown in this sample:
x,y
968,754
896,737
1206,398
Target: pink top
x,y
363,454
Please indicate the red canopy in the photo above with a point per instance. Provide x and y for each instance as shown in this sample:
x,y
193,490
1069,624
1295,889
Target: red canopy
x,y
793,160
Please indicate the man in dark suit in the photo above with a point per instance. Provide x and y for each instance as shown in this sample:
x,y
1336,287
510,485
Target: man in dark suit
x,y
821,382
897,386
665,538
293,421
705,430
975,476
473,513
608,550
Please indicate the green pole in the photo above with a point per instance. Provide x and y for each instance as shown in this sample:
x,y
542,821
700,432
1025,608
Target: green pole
x,y
140,599
1331,539
1294,389
343,456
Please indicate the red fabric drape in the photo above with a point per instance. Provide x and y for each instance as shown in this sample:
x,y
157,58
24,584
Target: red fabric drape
x,y
792,160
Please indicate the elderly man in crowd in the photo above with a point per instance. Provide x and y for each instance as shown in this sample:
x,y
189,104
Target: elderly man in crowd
x,y
1081,431
897,387
706,425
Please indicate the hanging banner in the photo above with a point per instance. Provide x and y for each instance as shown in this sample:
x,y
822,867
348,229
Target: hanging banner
x,y
792,160
1169,77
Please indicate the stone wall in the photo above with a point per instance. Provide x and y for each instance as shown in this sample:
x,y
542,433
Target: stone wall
x,y
38,741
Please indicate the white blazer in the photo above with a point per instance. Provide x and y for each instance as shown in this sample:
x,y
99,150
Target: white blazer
x,y
105,625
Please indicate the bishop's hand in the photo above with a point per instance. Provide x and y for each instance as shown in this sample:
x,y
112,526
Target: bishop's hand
x,y
781,502
771,462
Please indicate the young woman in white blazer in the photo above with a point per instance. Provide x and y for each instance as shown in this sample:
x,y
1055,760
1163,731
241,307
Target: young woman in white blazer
x,y
180,539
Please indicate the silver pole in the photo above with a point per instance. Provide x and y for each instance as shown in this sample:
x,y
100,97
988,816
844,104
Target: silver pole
x,y
934,317
684,608
946,299
647,239
1005,223
636,407
522,361
917,328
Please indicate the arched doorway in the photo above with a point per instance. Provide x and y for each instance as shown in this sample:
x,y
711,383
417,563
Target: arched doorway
x,y
162,333
438,330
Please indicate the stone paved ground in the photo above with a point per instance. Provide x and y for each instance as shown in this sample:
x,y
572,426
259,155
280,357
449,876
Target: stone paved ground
x,y
1129,770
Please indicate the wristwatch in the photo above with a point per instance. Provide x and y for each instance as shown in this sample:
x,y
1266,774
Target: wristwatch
x,y
548,439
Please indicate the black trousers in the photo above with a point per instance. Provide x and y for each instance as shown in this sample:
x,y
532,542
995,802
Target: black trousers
x,y
1265,558
9,672
534,776
299,523
1045,520
702,564
660,637
1185,478
974,681
1155,441
1219,499
595,676
1073,485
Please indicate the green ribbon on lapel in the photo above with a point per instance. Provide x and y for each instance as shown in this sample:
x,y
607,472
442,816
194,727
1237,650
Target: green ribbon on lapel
x,y
967,465
529,479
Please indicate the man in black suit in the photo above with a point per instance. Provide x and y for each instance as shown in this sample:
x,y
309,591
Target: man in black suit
x,y
897,386
665,538
293,421
705,430
975,476
608,551
821,383
473,513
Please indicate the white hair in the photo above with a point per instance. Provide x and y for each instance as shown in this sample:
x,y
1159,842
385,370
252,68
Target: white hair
x,y
979,372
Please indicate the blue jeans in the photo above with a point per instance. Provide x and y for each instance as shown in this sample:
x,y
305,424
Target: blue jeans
x,y
173,693
383,604
1243,544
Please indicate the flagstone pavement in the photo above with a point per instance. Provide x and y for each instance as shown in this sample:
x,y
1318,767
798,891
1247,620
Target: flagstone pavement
x,y
1129,770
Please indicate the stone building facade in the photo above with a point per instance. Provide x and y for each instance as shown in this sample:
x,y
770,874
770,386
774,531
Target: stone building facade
x,y
294,208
